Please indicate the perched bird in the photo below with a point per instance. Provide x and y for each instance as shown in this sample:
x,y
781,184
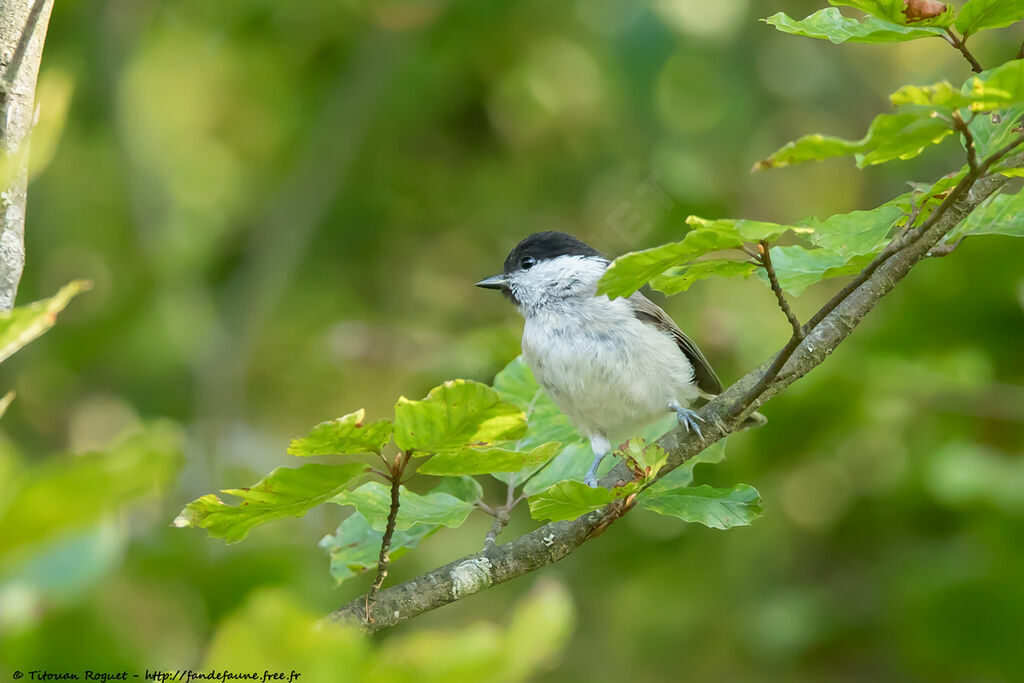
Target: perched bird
x,y
611,365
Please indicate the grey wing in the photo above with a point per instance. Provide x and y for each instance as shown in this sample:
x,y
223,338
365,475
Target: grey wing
x,y
649,312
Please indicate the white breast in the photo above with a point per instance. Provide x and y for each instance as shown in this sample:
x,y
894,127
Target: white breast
x,y
609,372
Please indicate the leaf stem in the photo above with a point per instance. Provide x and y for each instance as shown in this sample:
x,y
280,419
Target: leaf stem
x,y
961,44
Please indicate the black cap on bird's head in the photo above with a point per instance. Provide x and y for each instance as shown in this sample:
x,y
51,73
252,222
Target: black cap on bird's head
x,y
540,246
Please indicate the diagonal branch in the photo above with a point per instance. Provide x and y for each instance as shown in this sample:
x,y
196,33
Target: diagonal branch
x,y
552,542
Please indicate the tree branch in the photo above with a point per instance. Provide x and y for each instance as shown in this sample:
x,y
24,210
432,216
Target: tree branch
x,y
22,33
552,542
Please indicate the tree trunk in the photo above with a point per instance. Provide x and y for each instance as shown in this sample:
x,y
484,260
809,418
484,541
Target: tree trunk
x,y
22,32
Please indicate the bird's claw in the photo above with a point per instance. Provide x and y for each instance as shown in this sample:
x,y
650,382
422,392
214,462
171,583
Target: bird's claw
x,y
590,479
688,419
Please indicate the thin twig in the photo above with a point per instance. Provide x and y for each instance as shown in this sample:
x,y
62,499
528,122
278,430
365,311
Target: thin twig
x,y
385,544
972,152
961,44
766,260
500,522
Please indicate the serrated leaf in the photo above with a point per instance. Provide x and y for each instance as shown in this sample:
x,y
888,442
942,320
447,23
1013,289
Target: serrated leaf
x,y
714,508
285,492
979,15
798,268
69,493
829,24
23,324
487,460
344,436
679,279
355,546
632,271
891,136
568,500
1002,214
457,413
373,501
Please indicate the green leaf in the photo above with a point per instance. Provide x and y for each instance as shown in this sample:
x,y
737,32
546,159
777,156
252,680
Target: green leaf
x,y
632,271
979,15
283,493
1002,214
467,489
829,24
714,508
571,463
858,232
70,493
941,95
798,268
683,475
894,11
25,323
993,132
344,436
487,460
355,546
748,231
568,500
373,501
457,413
891,136
644,459
516,384
676,280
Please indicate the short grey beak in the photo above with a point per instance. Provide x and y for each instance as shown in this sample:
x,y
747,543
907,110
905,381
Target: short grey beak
x,y
494,282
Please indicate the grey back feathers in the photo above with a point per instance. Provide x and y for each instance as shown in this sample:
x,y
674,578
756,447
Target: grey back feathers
x,y
703,374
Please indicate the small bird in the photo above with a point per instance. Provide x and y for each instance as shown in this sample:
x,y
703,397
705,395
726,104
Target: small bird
x,y
611,365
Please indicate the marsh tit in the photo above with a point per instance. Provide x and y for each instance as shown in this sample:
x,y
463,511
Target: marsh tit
x,y
612,365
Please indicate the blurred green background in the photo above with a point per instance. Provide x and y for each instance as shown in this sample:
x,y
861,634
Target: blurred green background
x,y
283,207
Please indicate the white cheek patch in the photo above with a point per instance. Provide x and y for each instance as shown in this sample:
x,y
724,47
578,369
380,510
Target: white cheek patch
x,y
556,280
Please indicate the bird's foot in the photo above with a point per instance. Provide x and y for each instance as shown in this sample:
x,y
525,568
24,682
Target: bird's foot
x,y
689,419
590,479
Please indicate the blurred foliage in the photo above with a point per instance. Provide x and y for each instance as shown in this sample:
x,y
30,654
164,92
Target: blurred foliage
x,y
283,207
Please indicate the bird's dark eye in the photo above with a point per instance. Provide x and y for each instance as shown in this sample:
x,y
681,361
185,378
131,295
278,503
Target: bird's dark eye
x,y
527,262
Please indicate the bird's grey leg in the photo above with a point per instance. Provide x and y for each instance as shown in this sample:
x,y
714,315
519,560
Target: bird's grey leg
x,y
687,417
600,445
